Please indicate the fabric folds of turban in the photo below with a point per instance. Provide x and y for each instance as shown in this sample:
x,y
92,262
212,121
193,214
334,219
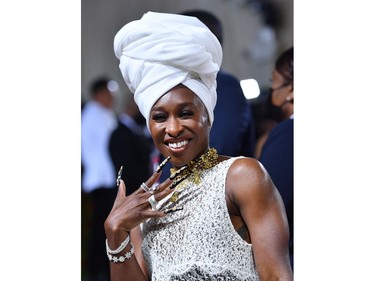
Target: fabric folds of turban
x,y
160,51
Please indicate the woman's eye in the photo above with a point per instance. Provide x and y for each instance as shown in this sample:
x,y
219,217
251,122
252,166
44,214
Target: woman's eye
x,y
159,117
187,113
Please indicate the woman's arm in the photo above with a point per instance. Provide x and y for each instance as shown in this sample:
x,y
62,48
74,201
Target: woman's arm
x,y
251,190
127,214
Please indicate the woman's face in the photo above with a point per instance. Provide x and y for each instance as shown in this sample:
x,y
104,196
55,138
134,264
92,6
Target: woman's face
x,y
179,125
280,91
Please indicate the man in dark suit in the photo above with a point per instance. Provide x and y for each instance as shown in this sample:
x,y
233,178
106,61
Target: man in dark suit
x,y
233,132
130,147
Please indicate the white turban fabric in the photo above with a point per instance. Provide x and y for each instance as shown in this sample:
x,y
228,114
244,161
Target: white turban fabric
x,y
160,51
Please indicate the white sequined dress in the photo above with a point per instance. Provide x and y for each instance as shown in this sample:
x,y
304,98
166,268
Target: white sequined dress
x,y
198,242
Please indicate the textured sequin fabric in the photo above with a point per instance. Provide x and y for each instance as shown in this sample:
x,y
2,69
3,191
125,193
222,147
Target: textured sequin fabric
x,y
198,242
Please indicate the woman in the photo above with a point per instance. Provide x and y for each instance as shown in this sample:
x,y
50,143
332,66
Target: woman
x,y
215,217
277,152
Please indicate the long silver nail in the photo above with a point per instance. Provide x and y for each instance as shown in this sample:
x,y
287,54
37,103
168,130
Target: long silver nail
x,y
172,210
177,182
162,164
175,174
119,176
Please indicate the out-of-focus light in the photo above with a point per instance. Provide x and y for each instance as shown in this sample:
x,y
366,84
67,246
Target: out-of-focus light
x,y
113,86
250,88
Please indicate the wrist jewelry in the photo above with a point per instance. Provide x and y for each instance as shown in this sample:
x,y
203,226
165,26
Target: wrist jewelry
x,y
123,258
120,248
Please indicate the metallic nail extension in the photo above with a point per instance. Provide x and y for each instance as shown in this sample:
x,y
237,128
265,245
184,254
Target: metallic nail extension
x,y
172,210
162,164
175,174
175,183
119,176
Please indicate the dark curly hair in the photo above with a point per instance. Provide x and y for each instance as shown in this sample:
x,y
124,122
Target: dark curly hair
x,y
284,65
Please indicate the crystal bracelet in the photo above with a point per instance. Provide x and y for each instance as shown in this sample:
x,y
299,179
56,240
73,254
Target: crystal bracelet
x,y
120,248
123,258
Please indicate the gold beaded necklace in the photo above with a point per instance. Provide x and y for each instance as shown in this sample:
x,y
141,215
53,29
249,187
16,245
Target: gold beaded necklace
x,y
194,169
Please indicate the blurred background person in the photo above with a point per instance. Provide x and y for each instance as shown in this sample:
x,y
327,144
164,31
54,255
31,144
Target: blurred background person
x,y
131,146
233,132
277,152
98,120
267,116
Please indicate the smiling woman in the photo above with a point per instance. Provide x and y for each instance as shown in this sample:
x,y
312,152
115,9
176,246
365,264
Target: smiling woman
x,y
179,125
215,217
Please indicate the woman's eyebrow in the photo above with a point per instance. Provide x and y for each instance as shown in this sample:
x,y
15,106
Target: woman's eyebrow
x,y
180,105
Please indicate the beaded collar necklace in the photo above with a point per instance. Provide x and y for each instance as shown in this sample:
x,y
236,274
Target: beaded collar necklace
x,y
194,170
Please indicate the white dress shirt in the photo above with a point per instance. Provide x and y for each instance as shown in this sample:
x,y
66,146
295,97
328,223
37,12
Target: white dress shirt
x,y
97,124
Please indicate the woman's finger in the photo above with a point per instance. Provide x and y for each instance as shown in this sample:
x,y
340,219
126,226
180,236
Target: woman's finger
x,y
169,181
171,186
121,194
121,190
147,185
153,200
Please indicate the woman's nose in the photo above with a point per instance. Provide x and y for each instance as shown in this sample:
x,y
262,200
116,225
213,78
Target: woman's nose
x,y
174,127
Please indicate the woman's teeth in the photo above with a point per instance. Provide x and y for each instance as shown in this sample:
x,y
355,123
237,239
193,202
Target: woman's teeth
x,y
178,144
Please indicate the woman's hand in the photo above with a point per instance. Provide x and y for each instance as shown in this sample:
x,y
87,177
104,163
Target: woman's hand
x,y
130,211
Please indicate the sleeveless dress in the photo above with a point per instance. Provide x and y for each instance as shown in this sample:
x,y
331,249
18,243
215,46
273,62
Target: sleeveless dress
x,y
198,242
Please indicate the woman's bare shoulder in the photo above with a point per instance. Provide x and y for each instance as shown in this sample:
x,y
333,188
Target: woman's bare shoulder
x,y
247,176
247,167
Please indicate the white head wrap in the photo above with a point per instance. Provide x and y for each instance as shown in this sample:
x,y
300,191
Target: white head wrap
x,y
160,51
